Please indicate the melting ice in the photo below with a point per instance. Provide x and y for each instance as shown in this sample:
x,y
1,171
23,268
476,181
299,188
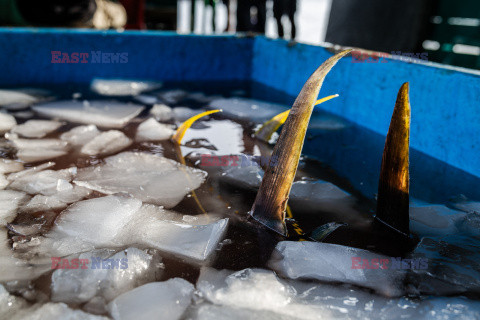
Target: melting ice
x,y
107,114
150,178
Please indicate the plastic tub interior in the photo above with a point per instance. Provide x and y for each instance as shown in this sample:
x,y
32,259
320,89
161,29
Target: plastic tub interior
x,y
445,125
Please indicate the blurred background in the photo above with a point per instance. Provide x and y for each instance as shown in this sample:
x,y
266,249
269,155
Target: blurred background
x,y
445,31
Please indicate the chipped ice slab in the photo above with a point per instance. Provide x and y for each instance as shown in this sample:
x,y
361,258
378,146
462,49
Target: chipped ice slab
x,y
334,263
10,305
9,166
51,310
209,311
46,182
36,155
113,87
169,299
249,177
193,242
16,99
10,201
107,275
146,99
259,294
151,130
36,128
434,220
117,221
29,171
93,223
147,177
453,265
107,114
106,143
252,290
467,206
7,122
3,181
248,109
34,150
80,135
13,268
183,113
173,96
162,112
57,201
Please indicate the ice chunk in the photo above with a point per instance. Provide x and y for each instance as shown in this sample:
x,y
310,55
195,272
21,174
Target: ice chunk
x,y
50,311
146,99
151,130
36,128
466,205
433,220
335,263
60,200
47,182
10,305
183,113
173,96
194,242
80,135
117,221
35,155
209,311
248,109
258,294
108,114
9,202
106,143
33,150
249,177
3,182
9,166
162,112
453,265
29,171
16,99
107,274
470,225
169,299
13,268
112,87
252,289
150,178
7,122
96,221
27,114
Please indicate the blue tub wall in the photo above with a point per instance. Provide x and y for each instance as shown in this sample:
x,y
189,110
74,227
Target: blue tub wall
x,y
445,120
25,56
445,103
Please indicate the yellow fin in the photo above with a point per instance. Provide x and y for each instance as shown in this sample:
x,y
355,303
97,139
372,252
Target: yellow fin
x,y
268,128
178,136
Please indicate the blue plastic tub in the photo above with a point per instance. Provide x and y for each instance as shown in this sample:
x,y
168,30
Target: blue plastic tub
x,y
445,139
